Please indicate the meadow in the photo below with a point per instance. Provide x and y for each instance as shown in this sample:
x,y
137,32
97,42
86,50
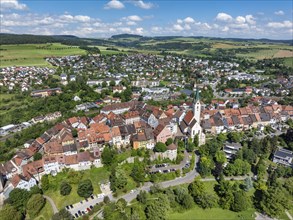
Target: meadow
x,y
34,54
96,175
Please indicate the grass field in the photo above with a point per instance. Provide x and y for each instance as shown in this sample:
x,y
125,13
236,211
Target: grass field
x,y
96,175
34,54
288,61
209,214
46,212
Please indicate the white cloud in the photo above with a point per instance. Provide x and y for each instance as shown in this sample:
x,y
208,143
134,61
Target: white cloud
x,y
131,23
224,17
239,26
189,20
82,18
134,18
250,19
206,26
187,27
12,5
179,21
240,19
143,5
279,12
156,29
114,4
139,31
225,29
284,24
177,27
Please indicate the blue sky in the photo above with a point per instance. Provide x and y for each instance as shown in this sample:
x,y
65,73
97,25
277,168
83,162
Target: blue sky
x,y
97,18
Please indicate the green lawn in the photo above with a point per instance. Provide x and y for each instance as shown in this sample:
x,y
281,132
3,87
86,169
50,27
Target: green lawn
x,y
46,212
214,213
34,54
96,175
288,61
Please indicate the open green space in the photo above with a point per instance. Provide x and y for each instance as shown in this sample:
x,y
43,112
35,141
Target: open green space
x,y
213,213
46,212
34,54
96,175
288,61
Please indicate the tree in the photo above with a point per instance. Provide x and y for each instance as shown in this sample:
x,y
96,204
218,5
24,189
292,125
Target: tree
x,y
241,201
157,209
112,83
220,157
18,198
37,156
118,179
142,197
137,213
104,84
65,188
85,188
108,155
8,212
160,147
187,201
121,205
225,192
190,146
289,185
106,199
274,201
169,141
200,195
45,182
35,205
63,214
205,166
35,190
138,171
196,140
247,184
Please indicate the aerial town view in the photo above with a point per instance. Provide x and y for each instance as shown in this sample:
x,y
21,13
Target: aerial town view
x,y
146,110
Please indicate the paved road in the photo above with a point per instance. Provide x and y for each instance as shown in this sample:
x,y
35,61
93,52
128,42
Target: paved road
x,y
188,178
289,215
55,210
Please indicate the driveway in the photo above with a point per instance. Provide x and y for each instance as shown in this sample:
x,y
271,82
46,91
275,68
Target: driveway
x,y
55,210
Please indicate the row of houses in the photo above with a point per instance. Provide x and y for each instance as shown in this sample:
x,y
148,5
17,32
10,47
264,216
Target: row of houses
x,y
217,121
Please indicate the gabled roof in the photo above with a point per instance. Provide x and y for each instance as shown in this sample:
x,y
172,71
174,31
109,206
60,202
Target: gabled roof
x,y
188,117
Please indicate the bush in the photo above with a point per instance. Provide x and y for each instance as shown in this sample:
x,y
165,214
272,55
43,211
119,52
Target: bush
x,y
85,188
65,188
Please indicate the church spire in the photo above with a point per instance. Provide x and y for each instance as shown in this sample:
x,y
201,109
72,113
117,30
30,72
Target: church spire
x,y
196,97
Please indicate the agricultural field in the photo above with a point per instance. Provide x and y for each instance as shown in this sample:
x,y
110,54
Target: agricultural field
x,y
34,54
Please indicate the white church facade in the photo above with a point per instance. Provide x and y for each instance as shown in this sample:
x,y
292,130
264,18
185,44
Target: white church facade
x,y
190,125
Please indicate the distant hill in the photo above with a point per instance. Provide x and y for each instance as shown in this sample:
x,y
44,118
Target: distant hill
x,y
40,39
119,36
134,40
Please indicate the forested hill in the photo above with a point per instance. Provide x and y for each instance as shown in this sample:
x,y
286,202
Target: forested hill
x,y
40,39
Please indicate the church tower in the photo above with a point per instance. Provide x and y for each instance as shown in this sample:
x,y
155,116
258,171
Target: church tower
x,y
196,106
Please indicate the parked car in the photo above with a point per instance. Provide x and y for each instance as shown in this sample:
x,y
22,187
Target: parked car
x,y
67,207
76,215
92,196
71,206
